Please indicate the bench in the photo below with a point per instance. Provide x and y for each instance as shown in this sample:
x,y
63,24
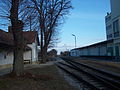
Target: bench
x,y
27,61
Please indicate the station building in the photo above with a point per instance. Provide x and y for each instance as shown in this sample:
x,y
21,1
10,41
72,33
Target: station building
x,y
110,47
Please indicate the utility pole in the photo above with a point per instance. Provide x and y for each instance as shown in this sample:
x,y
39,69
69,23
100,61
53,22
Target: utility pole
x,y
75,44
75,39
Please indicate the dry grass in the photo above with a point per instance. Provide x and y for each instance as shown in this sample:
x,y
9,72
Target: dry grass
x,y
106,65
45,78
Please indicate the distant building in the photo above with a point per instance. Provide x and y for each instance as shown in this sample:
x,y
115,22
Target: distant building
x,y
97,49
112,21
52,53
110,47
65,53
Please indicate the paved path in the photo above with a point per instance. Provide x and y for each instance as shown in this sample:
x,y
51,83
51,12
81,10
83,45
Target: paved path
x,y
5,71
29,66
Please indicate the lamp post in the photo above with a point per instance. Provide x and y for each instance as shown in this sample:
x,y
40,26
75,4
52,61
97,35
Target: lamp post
x,y
75,44
75,39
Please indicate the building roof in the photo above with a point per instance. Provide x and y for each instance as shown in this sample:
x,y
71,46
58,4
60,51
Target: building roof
x,y
6,38
30,36
96,44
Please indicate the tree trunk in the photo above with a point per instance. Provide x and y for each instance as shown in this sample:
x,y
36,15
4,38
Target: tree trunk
x,y
17,27
41,47
44,54
18,65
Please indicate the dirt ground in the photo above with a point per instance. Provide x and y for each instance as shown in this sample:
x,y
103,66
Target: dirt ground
x,y
41,78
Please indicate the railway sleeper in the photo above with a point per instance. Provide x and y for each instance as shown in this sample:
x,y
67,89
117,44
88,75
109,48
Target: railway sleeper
x,y
111,81
84,78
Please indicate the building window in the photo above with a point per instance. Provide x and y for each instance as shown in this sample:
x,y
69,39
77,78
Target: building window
x,y
116,34
116,50
110,51
109,36
108,19
4,56
116,28
109,27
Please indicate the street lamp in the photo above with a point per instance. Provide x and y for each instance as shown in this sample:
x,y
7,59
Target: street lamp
x,y
75,39
75,44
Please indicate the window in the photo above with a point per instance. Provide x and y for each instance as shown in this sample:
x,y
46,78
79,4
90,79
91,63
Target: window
x,y
4,56
108,19
116,34
109,27
117,50
116,28
109,36
110,51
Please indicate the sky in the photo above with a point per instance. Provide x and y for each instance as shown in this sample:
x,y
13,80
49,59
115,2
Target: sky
x,y
86,21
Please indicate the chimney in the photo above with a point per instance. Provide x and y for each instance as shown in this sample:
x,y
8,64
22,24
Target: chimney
x,y
9,29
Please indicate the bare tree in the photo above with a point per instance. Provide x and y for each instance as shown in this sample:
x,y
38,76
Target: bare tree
x,y
17,12
51,13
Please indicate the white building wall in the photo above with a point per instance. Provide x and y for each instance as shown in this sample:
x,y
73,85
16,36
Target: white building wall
x,y
80,52
28,55
109,27
34,47
98,50
115,8
77,53
6,57
73,53
85,51
103,50
88,51
110,45
94,51
34,56
115,15
118,18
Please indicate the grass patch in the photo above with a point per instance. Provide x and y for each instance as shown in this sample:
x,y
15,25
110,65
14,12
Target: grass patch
x,y
106,65
3,84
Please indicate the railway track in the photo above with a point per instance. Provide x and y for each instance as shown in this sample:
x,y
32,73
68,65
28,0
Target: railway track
x,y
93,78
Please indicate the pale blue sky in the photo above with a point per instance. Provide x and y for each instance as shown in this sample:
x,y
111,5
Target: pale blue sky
x,y
86,22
